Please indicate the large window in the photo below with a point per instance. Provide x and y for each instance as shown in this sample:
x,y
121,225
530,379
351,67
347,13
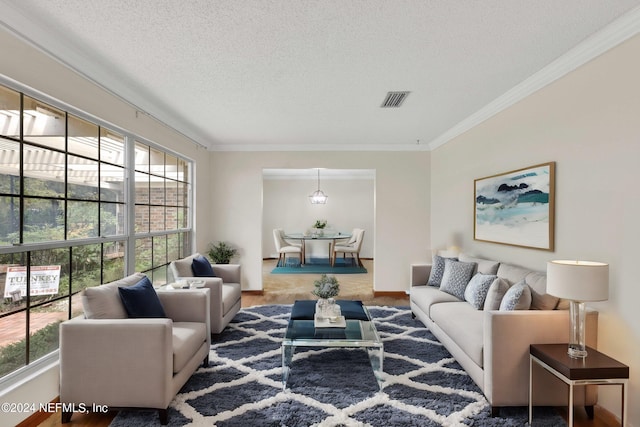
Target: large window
x,y
65,205
161,210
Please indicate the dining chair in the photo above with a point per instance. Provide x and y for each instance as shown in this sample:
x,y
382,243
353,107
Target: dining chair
x,y
283,247
352,247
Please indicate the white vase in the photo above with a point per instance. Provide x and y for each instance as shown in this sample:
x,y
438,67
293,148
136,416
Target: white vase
x,y
326,308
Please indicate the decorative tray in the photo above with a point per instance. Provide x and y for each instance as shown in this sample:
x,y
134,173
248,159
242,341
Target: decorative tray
x,y
339,322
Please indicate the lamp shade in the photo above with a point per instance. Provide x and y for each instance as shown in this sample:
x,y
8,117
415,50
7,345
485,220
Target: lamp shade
x,y
578,280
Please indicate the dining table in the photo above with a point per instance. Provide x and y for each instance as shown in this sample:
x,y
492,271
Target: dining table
x,y
331,237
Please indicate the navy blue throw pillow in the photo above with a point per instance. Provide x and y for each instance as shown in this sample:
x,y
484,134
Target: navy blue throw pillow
x,y
141,300
202,267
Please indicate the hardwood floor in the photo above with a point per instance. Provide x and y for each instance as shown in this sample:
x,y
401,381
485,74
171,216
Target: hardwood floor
x,y
285,289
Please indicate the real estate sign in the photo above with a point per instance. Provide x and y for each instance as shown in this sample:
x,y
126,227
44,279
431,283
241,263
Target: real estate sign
x,y
44,280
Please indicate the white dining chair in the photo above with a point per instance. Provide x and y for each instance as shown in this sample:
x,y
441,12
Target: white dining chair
x,y
283,247
352,247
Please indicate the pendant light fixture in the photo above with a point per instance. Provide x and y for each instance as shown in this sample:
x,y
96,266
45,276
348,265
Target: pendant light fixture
x,y
318,197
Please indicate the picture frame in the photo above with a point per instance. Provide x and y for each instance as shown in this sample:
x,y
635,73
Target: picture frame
x,y
517,207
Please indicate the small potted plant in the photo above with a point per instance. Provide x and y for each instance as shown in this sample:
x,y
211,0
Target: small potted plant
x,y
325,289
221,252
319,226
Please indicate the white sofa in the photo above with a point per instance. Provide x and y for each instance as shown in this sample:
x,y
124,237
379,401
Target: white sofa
x,y
493,345
225,288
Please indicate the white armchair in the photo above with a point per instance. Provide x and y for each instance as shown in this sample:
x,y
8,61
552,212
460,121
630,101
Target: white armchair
x,y
225,288
109,359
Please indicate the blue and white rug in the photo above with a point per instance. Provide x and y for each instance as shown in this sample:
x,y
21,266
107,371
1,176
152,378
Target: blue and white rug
x,y
424,385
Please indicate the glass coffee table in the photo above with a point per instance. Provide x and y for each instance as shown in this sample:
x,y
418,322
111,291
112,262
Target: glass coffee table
x,y
356,333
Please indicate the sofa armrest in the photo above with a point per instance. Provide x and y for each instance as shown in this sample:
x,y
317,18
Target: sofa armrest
x,y
229,273
507,337
419,274
97,355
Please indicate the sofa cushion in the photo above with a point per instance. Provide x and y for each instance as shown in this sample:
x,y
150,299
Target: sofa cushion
x,y
496,292
104,302
477,289
437,270
187,339
425,296
464,325
456,276
518,297
540,299
484,266
201,267
141,300
512,273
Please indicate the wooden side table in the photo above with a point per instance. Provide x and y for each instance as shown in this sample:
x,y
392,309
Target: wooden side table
x,y
595,369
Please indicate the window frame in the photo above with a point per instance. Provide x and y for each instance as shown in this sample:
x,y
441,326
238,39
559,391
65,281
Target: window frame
x,y
126,237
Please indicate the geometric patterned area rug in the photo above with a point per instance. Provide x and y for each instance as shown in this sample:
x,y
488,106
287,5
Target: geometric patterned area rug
x,y
423,384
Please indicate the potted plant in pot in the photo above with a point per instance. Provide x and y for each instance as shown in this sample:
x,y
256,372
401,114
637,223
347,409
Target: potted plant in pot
x,y
326,288
319,226
221,252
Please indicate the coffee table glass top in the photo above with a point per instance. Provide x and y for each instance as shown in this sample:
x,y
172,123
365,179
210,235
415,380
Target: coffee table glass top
x,y
356,333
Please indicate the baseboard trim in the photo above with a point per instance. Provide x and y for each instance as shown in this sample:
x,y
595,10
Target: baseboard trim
x,y
392,294
257,292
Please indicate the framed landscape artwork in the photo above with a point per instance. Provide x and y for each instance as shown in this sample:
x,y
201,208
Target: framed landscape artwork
x,y
517,207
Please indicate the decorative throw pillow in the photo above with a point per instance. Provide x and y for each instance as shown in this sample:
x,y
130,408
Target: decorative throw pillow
x,y
141,300
498,288
437,270
455,277
518,297
202,267
477,289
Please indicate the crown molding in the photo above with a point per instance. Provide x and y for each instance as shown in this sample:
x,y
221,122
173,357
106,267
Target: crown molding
x,y
319,147
609,37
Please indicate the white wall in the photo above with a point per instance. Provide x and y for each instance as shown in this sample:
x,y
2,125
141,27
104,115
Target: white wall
x,y
286,205
401,218
588,123
29,67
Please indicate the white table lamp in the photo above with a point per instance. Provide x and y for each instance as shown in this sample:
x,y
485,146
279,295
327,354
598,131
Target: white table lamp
x,y
578,281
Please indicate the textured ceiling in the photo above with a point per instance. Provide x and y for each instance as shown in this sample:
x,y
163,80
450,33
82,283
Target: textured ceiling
x,y
303,75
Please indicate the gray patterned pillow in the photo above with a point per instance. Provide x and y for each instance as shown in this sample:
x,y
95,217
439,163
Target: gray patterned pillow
x,y
477,289
518,297
456,277
437,270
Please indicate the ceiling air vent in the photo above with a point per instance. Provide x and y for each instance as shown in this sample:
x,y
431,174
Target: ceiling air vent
x,y
394,99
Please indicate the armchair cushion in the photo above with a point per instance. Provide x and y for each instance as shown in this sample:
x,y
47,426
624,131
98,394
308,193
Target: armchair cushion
x,y
141,300
104,302
186,337
202,267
